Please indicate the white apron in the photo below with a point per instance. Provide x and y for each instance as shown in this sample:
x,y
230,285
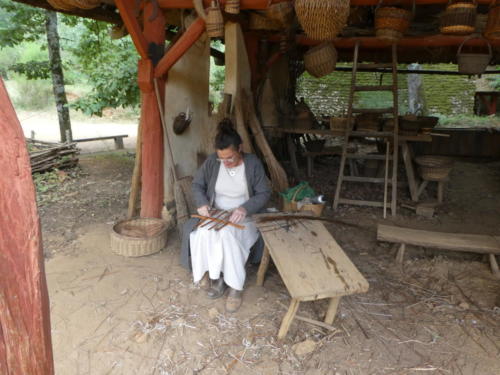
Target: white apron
x,y
226,250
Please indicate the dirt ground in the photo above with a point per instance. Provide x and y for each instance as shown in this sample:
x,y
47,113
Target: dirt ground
x,y
113,315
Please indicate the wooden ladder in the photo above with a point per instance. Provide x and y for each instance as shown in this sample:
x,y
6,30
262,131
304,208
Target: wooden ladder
x,y
390,137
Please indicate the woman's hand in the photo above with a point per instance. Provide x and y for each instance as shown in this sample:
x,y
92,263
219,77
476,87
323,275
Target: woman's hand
x,y
238,215
203,211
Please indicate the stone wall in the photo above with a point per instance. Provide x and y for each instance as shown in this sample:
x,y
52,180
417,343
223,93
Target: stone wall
x,y
444,94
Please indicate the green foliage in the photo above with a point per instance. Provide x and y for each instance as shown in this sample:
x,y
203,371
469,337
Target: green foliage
x,y
108,66
468,121
33,69
47,181
494,81
20,23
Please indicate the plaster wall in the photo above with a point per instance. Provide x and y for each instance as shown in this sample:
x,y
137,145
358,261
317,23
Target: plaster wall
x,y
187,88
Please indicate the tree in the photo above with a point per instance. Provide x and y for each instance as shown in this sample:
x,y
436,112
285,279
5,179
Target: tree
x,y
23,23
57,75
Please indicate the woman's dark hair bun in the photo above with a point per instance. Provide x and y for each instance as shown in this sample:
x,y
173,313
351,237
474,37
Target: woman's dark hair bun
x,y
225,126
227,135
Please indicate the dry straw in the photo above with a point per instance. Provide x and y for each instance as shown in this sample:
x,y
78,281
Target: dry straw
x,y
322,19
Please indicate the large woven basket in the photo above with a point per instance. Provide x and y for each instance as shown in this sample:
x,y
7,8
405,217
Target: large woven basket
x,y
215,21
322,19
473,63
138,237
391,23
459,18
321,60
493,25
434,168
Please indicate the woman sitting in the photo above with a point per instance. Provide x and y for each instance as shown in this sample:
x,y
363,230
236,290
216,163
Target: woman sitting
x,y
232,181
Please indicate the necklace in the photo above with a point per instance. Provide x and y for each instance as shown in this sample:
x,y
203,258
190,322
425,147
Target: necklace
x,y
231,171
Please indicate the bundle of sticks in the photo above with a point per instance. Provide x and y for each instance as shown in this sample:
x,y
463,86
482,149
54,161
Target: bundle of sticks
x,y
45,156
217,220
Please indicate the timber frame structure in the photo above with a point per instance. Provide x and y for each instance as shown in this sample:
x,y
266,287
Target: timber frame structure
x,y
252,58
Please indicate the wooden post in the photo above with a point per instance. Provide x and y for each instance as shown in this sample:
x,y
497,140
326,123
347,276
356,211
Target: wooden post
x,y
25,343
401,254
288,319
264,264
152,131
332,310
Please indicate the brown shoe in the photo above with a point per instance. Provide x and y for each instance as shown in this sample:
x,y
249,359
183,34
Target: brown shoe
x,y
233,301
217,289
204,282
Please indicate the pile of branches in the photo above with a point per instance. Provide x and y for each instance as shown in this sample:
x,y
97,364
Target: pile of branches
x,y
45,156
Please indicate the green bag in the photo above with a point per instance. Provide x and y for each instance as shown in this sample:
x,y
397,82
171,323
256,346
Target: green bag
x,y
298,192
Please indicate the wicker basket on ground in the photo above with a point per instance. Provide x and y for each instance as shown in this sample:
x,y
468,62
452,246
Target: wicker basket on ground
x,y
493,25
321,60
434,168
138,237
391,23
322,19
459,18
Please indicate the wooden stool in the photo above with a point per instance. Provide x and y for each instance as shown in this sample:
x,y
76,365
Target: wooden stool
x,y
311,263
440,190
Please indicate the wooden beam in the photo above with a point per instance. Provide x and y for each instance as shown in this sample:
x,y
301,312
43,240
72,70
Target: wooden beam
x,y
433,41
407,71
127,14
25,342
190,36
244,4
104,14
406,2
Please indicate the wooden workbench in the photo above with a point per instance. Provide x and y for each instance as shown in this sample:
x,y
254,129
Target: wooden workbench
x,y
311,263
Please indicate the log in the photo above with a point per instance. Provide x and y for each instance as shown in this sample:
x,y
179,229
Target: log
x,y
25,342
278,175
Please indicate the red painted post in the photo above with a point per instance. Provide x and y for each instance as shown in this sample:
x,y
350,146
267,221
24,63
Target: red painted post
x,y
152,131
25,343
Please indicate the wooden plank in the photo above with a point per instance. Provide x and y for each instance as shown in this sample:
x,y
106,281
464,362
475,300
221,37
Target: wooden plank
x,y
373,180
25,342
100,138
476,243
311,263
410,172
373,110
356,202
339,133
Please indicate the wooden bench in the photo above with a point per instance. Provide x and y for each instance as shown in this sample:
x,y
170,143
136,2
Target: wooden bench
x,y
311,264
474,243
118,140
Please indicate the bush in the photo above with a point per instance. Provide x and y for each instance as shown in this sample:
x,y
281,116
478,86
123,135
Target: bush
x,y
31,94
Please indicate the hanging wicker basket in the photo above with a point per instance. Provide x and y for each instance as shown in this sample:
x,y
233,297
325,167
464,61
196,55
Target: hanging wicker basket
x,y
138,237
259,21
322,19
215,21
232,6
281,12
473,63
493,24
459,18
434,168
62,4
321,60
391,23
481,22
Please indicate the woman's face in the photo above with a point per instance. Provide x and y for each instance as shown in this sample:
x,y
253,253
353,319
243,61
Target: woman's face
x,y
230,157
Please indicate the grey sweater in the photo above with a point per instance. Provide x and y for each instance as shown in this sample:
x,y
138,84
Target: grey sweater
x,y
259,191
